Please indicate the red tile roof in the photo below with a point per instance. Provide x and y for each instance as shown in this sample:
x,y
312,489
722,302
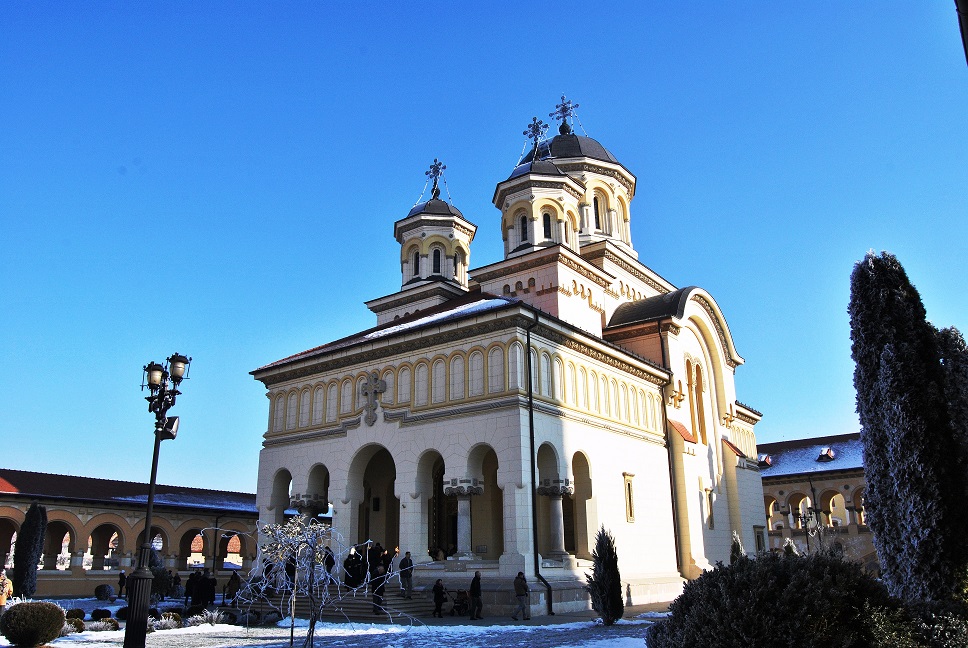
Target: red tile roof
x,y
683,431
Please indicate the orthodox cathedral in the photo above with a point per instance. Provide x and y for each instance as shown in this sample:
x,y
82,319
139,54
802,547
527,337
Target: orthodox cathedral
x,y
498,417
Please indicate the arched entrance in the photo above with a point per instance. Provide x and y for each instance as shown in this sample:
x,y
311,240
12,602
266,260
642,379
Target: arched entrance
x,y
441,510
8,535
191,549
378,508
579,518
58,545
487,509
103,546
281,495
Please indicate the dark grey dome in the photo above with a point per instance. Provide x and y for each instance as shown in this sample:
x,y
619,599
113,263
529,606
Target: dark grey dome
x,y
541,167
570,146
435,206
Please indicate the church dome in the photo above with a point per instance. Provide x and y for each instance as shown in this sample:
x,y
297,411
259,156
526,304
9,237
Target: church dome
x,y
569,145
435,206
539,167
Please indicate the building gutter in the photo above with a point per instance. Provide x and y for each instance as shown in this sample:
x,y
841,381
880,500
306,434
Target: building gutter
x,y
534,482
672,464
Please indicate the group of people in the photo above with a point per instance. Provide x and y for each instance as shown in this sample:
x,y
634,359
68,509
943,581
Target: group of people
x,y
200,588
522,593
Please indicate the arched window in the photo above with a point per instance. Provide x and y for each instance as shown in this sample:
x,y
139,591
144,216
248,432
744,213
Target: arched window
x,y
524,229
436,265
546,224
597,208
415,264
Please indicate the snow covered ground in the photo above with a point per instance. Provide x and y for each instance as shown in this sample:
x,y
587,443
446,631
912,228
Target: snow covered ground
x,y
584,634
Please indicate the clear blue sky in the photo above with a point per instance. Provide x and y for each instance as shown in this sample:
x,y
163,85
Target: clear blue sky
x,y
222,180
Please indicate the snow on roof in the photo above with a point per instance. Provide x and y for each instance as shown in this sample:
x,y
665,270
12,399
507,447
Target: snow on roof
x,y
803,456
460,311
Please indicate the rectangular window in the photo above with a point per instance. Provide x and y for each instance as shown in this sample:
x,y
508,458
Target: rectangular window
x,y
759,533
629,502
710,522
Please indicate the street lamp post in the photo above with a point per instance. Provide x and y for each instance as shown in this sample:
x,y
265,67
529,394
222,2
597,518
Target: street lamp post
x,y
162,381
812,513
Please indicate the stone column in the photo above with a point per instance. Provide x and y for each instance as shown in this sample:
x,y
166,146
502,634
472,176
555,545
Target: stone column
x,y
463,488
584,210
555,489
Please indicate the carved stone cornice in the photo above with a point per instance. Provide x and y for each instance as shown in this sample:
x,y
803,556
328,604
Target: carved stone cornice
x,y
443,289
284,438
464,486
610,256
595,168
583,271
437,221
610,360
650,328
530,262
523,182
706,306
556,487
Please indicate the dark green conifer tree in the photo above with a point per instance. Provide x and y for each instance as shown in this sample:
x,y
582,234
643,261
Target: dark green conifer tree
x,y
28,549
605,583
914,485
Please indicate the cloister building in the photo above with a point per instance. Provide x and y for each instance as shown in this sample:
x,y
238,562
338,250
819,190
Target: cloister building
x,y
506,413
95,526
820,477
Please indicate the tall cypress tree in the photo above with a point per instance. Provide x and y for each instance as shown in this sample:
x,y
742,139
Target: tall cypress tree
x,y
28,549
914,484
605,583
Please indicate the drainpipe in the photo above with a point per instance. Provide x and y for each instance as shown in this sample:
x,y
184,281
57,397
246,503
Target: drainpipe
x,y
672,464
534,483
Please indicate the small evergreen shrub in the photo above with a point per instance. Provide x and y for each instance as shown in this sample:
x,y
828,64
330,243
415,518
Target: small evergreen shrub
x,y
32,624
211,617
75,625
194,610
271,617
166,623
250,618
153,612
121,614
605,583
76,613
104,625
103,592
173,616
230,618
176,609
100,614
775,600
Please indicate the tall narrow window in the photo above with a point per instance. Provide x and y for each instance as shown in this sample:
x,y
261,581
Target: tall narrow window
x,y
546,222
710,522
416,264
524,229
629,502
436,262
598,213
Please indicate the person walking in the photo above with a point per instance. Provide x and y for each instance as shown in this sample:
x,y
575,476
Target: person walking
x,y
379,583
406,576
439,595
6,590
329,560
190,586
122,581
477,603
522,592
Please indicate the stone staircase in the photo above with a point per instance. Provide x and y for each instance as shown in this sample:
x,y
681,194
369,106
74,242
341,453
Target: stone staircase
x,y
346,607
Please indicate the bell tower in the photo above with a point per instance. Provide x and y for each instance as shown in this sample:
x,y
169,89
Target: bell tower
x,y
435,249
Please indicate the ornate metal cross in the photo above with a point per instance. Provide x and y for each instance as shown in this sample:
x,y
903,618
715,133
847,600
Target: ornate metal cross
x,y
436,170
370,389
535,131
564,110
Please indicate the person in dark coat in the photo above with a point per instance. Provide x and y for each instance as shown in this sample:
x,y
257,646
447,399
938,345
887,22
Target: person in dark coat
x,y
522,593
477,603
329,560
190,586
439,595
353,566
208,587
406,576
122,580
232,588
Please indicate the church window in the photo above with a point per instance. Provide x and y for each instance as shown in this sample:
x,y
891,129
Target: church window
x,y
346,397
279,414
292,411
304,408
457,378
634,405
516,365
629,500
415,265
534,371
331,401
476,373
495,370
403,385
421,383
546,225
438,395
545,374
606,405
436,266
387,396
319,404
710,520
597,208
524,229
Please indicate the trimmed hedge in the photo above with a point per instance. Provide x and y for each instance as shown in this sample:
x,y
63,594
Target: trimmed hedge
x,y
76,624
76,613
32,624
103,592
121,614
100,614
806,601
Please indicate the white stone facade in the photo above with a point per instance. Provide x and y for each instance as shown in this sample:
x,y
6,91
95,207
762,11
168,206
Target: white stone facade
x,y
425,431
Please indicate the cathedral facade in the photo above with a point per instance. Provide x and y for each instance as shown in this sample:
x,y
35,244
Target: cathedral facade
x,y
502,415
